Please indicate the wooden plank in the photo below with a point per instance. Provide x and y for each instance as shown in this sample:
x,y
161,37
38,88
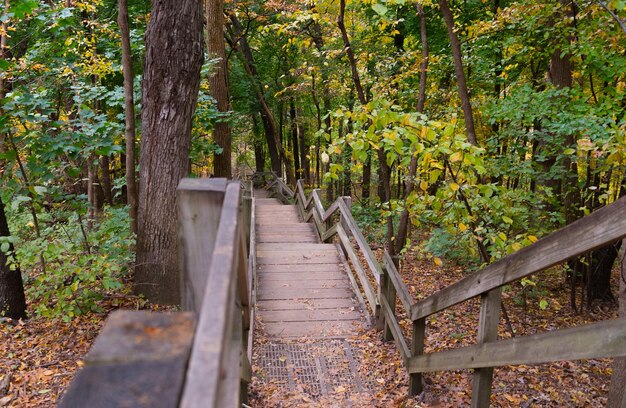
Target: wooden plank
x,y
268,238
360,239
309,315
298,259
356,264
199,209
418,335
295,247
306,304
487,332
307,268
596,340
337,328
303,284
138,360
302,276
319,252
395,329
287,293
401,290
216,338
601,227
351,278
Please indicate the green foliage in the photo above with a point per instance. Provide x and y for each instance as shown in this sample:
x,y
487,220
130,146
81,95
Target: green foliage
x,y
80,270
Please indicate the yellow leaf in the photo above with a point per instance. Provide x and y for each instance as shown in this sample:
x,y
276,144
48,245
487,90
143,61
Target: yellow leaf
x,y
454,186
340,389
438,261
424,185
462,227
455,157
532,238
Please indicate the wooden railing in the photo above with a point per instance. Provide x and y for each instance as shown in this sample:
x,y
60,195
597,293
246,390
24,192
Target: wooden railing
x,y
596,340
199,357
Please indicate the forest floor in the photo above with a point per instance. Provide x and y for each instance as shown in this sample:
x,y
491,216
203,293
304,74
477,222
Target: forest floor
x,y
562,384
39,356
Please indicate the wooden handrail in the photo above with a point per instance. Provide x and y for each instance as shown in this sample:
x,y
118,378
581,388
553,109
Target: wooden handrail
x,y
199,357
597,340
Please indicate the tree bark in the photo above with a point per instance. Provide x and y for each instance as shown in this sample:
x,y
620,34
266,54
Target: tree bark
x,y
105,168
464,95
403,224
129,112
294,138
218,85
174,54
12,299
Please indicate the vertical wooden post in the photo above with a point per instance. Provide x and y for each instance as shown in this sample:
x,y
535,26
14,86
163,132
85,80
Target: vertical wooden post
x,y
199,209
389,292
487,332
417,348
247,211
344,224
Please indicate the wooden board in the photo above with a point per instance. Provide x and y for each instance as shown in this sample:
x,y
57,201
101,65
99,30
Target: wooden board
x,y
138,360
274,238
302,276
298,259
304,284
306,304
309,315
289,293
295,247
307,268
310,330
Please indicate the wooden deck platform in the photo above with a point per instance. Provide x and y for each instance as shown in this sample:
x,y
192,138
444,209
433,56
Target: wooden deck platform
x,y
303,290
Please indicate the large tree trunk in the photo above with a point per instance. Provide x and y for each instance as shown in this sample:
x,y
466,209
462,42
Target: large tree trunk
x,y
218,84
174,55
617,396
460,72
12,299
129,111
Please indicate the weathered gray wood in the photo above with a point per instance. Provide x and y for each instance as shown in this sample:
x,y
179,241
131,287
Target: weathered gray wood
x,y
596,340
418,336
395,330
294,247
305,283
309,315
199,209
356,264
306,304
601,227
288,293
300,268
388,293
351,277
401,290
138,360
298,259
312,330
487,332
274,238
218,332
303,277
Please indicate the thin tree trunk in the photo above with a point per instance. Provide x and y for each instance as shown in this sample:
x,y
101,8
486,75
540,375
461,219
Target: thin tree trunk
x,y
464,95
240,43
304,158
12,299
174,54
403,225
218,85
294,138
129,112
105,168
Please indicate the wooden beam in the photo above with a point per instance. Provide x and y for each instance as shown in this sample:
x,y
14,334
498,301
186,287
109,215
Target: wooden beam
x,y
601,227
596,340
401,290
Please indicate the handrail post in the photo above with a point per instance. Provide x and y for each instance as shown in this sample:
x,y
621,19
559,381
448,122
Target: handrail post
x,y
487,331
388,291
199,209
417,348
